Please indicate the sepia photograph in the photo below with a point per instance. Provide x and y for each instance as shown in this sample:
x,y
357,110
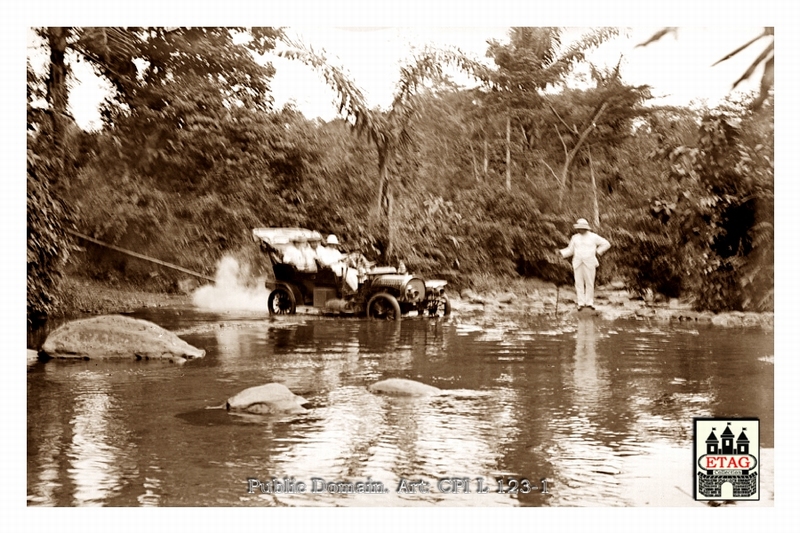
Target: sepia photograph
x,y
402,264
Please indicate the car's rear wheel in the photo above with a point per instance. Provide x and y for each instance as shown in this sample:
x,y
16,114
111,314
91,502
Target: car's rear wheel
x,y
383,306
280,302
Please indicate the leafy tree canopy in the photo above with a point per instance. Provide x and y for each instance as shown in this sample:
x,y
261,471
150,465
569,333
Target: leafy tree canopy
x,y
143,63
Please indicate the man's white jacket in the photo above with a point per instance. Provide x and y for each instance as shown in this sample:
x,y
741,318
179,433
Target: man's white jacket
x,y
584,249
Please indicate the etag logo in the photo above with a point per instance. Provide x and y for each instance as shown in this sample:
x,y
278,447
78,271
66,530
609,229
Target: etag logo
x,y
726,459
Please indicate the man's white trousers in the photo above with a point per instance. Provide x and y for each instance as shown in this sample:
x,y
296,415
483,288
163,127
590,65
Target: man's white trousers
x,y
584,284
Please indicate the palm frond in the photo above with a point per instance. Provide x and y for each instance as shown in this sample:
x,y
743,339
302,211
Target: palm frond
x,y
351,101
765,33
658,35
768,51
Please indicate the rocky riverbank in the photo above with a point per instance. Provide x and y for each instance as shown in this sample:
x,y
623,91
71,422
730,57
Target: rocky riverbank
x,y
521,298
612,302
90,297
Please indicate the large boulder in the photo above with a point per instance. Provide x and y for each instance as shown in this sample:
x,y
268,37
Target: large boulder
x,y
117,337
403,387
272,398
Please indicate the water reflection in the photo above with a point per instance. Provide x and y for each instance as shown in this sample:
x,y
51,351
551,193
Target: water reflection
x,y
358,435
152,493
45,440
581,448
89,455
585,404
93,462
588,381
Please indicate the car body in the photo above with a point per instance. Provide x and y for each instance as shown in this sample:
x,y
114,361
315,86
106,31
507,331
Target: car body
x,y
382,293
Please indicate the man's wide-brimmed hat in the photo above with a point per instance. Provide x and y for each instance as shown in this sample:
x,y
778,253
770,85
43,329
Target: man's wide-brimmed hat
x,y
582,223
332,240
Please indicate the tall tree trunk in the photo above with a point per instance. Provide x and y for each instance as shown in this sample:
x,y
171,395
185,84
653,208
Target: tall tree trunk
x,y
383,181
508,153
57,91
389,223
382,215
570,157
485,160
594,191
474,163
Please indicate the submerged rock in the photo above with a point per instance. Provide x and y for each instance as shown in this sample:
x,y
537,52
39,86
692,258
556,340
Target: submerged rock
x,y
117,337
403,387
272,398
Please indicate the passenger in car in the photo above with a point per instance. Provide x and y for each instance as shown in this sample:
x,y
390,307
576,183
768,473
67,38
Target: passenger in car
x,y
300,254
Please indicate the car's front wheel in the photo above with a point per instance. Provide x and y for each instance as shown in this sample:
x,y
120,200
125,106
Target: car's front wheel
x,y
280,302
383,306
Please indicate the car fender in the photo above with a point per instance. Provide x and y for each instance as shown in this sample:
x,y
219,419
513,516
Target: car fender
x,y
398,285
291,288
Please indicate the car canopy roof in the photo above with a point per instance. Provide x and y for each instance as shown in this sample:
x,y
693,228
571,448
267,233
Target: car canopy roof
x,y
277,237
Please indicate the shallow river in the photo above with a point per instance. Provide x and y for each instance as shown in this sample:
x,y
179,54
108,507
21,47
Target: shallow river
x,y
602,411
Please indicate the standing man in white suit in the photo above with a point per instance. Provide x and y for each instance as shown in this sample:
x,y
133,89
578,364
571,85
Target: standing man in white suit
x,y
584,247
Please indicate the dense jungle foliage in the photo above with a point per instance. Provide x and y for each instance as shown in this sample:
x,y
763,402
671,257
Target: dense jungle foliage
x,y
454,182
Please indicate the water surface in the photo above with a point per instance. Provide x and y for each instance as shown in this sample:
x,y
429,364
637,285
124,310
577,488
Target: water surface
x,y
601,410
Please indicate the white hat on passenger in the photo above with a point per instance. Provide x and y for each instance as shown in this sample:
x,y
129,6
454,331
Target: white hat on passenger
x,y
332,239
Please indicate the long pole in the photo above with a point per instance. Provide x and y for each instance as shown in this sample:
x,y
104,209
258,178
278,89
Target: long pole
x,y
139,256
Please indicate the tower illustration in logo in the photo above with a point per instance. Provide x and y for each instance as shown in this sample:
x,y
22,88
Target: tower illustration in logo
x,y
726,467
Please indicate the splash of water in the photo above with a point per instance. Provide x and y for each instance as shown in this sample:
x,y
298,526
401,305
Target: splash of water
x,y
234,289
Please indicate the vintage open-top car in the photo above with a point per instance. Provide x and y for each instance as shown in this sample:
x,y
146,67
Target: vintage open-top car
x,y
380,292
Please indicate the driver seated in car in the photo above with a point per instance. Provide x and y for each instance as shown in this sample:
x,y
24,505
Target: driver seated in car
x,y
328,253
330,256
